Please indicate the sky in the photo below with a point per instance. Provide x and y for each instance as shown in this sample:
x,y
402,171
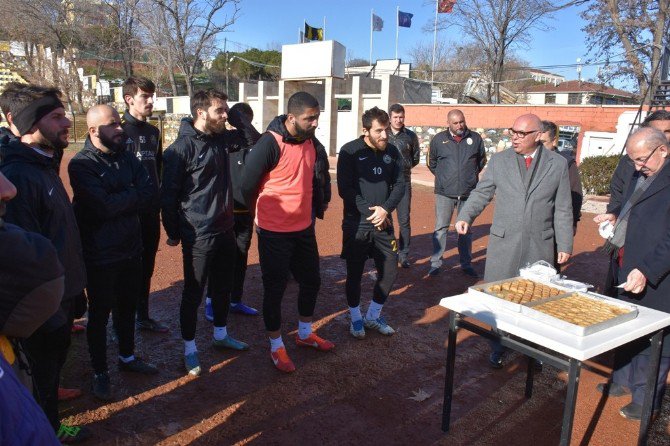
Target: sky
x,y
268,24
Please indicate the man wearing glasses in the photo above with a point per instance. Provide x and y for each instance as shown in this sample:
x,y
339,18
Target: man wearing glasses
x,y
640,246
533,212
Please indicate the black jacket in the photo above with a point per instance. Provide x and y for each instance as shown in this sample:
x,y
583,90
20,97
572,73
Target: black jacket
x,y
196,194
110,190
575,184
264,157
367,177
456,165
42,205
144,141
240,141
619,184
408,145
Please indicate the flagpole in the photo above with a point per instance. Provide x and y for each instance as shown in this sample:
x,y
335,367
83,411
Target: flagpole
x,y
397,28
304,27
432,70
299,36
371,15
324,27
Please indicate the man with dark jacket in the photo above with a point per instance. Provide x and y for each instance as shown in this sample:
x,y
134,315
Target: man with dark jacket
x,y
111,188
280,181
371,182
456,158
43,206
144,141
239,141
641,261
197,207
407,144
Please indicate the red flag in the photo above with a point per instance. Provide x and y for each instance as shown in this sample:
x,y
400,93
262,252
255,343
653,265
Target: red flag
x,y
445,5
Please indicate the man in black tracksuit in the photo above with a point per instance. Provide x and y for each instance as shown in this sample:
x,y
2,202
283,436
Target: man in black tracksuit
x,y
456,158
43,206
144,141
110,189
239,141
197,209
408,145
371,182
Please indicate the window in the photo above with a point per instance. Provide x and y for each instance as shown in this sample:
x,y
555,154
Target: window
x,y
550,98
574,98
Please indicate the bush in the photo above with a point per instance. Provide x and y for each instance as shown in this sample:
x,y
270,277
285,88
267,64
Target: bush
x,y
596,173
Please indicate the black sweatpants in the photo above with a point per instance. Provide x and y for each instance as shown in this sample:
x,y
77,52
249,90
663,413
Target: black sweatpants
x,y
357,247
280,253
46,352
151,231
244,226
110,287
210,260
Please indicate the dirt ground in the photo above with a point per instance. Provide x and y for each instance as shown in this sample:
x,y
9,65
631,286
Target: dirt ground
x,y
381,390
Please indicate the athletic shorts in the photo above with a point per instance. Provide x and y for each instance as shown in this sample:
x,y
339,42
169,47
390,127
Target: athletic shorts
x,y
363,244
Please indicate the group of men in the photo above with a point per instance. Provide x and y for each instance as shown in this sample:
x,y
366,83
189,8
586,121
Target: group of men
x,y
214,184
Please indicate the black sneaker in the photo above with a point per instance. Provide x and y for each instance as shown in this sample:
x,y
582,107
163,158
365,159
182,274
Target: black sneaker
x,y
495,360
151,325
405,263
72,434
138,366
434,271
633,411
470,271
101,387
612,389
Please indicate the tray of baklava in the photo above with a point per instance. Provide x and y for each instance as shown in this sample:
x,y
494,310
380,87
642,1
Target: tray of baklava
x,y
580,313
512,294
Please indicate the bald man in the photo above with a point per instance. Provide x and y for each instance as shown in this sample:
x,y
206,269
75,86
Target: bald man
x,y
456,158
111,188
533,212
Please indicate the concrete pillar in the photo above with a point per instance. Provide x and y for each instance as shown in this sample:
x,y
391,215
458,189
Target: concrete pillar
x,y
243,92
262,102
328,118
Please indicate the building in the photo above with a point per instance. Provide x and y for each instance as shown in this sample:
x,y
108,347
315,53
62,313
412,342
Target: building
x,y
576,93
7,75
545,77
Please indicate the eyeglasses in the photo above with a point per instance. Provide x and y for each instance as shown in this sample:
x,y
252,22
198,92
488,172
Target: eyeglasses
x,y
643,161
519,133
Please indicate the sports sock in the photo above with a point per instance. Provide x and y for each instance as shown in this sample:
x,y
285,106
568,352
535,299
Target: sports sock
x,y
374,310
304,329
130,358
189,347
355,313
220,333
276,344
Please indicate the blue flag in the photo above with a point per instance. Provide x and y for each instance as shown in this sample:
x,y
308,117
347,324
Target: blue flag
x,y
377,23
405,19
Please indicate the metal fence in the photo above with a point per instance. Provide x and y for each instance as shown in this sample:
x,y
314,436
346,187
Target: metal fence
x,y
79,130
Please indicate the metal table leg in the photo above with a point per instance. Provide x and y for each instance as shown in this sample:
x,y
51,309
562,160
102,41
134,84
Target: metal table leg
x,y
570,401
530,374
654,362
449,376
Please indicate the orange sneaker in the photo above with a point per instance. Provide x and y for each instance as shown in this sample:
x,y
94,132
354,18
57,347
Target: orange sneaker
x,y
282,361
65,394
315,342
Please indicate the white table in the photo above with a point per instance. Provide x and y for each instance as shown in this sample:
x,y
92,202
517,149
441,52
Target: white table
x,y
576,348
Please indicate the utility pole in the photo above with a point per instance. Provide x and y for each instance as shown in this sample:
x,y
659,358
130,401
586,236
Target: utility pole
x,y
225,51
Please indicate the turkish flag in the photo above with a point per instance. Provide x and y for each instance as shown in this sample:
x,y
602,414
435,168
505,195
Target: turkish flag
x,y
445,5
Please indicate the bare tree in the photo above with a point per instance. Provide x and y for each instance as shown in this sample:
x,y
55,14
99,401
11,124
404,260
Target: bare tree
x,y
124,20
189,30
634,31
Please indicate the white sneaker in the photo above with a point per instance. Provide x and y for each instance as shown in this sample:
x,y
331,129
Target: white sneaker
x,y
380,325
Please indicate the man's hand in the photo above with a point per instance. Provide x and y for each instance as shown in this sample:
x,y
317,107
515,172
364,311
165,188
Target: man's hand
x,y
378,215
635,282
605,217
385,224
462,227
562,257
172,242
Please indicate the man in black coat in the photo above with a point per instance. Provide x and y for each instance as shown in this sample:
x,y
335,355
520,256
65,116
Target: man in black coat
x,y
641,261
111,188
40,129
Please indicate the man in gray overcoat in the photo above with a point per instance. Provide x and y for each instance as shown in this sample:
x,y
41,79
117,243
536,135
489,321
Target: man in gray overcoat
x,y
533,212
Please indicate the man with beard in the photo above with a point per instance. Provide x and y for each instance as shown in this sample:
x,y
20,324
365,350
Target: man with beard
x,y
371,182
43,206
111,188
456,158
144,140
407,144
281,181
197,206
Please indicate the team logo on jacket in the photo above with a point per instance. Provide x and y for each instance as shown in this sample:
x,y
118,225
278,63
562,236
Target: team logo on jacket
x,y
469,141
387,159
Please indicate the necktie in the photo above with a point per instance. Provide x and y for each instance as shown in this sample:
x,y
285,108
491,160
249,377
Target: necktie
x,y
528,159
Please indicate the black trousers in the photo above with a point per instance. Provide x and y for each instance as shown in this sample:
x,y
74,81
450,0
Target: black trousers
x,y
404,227
279,254
357,247
46,352
207,261
244,229
110,287
151,232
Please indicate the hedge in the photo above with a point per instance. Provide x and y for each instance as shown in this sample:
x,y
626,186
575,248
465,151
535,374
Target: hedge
x,y
596,173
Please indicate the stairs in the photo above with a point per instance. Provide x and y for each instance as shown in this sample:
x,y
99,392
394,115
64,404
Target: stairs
x,y
661,97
